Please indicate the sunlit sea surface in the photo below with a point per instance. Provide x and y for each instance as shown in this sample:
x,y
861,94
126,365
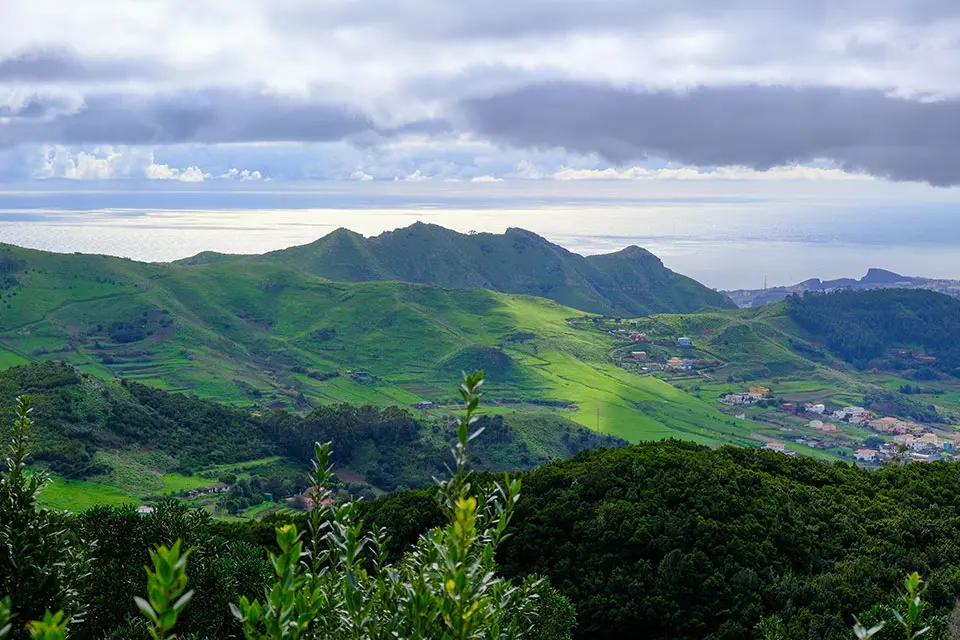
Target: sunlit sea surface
x,y
725,237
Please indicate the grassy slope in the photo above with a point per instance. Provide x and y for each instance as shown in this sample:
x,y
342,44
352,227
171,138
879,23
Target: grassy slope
x,y
247,328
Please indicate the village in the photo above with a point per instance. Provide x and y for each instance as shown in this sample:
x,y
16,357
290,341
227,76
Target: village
x,y
786,425
895,440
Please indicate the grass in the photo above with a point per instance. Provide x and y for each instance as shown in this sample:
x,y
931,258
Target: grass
x,y
134,479
264,467
10,359
80,495
178,483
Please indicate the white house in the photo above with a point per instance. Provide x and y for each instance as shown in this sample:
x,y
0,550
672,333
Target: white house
x,y
866,455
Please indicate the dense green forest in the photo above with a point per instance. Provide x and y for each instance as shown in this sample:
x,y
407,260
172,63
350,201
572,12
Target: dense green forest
x,y
629,282
884,328
676,539
691,543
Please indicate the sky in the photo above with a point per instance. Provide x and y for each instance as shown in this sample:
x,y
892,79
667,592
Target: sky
x,y
794,91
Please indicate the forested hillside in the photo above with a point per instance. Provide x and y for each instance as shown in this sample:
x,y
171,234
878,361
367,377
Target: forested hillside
x,y
629,282
688,543
103,432
891,328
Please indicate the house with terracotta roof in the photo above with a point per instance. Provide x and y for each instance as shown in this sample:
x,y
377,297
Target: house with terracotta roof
x,y
675,363
884,425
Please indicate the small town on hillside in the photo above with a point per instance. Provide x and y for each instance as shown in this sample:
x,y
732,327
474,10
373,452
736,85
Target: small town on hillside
x,y
786,425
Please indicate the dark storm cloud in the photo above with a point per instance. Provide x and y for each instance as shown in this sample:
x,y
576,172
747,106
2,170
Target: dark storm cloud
x,y
207,117
63,66
754,126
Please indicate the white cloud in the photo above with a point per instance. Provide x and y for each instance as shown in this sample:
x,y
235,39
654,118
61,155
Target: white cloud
x,y
416,176
161,172
361,176
110,163
794,172
486,179
191,174
242,175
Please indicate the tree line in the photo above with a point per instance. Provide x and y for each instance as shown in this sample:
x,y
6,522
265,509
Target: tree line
x,y
864,327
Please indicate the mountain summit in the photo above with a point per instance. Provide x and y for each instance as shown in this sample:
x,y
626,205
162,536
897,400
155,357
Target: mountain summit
x,y
632,281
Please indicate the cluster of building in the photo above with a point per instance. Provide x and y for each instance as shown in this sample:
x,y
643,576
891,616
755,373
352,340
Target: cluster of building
x,y
679,364
855,415
923,448
752,396
825,427
895,426
215,488
917,357
307,500
779,447
911,441
673,364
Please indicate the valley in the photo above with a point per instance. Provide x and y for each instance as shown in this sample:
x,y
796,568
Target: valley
x,y
261,335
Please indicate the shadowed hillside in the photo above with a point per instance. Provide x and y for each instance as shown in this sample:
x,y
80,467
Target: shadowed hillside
x,y
629,282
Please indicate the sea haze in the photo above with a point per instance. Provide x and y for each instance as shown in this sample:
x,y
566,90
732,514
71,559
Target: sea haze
x,y
725,234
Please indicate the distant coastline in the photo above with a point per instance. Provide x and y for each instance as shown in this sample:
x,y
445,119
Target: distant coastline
x,y
874,279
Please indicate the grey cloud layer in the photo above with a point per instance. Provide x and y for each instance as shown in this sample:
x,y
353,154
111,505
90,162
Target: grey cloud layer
x,y
59,65
530,74
209,116
508,19
754,126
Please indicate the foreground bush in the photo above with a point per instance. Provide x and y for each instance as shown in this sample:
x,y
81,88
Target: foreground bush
x,y
336,580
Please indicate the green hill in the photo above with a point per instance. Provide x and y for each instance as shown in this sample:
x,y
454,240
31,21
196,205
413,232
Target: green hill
x,y
266,335
630,282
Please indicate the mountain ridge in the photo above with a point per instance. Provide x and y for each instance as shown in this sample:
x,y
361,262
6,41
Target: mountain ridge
x,y
631,281
875,278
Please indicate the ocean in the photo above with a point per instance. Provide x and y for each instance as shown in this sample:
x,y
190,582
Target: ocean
x,y
726,236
